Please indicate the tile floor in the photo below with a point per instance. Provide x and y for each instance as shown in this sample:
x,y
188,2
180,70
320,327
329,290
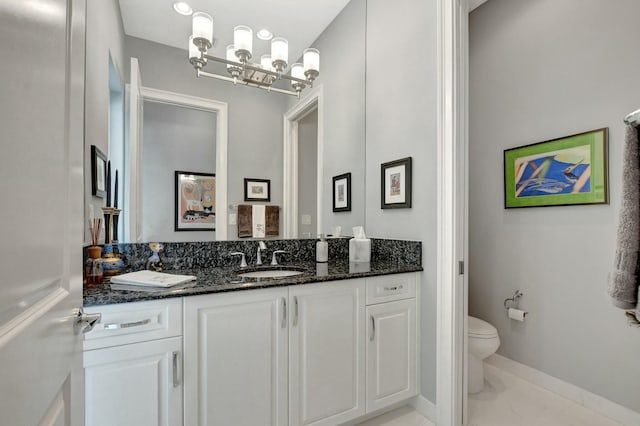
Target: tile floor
x,y
508,400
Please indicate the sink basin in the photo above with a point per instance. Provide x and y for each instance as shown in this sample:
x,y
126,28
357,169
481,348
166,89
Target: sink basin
x,y
270,273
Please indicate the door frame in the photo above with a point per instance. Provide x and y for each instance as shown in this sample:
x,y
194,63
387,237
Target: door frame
x,y
222,122
452,196
314,100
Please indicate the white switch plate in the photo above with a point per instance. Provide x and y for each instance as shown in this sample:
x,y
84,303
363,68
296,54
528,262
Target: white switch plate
x,y
306,219
233,218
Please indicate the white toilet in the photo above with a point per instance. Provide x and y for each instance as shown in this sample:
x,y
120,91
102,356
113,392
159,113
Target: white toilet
x,y
483,341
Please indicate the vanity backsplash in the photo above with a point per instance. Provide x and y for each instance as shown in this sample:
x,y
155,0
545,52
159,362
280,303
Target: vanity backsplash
x,y
215,254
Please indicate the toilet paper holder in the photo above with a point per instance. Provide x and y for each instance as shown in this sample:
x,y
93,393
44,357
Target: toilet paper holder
x,y
511,302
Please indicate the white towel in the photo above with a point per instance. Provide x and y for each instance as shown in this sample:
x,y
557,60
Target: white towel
x,y
623,278
258,221
151,279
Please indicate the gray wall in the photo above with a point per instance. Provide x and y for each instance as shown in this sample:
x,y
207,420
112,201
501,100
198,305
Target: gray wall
x,y
342,75
255,116
105,36
308,173
174,138
540,70
401,122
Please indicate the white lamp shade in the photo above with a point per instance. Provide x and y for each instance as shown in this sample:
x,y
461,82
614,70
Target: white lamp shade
x,y
193,49
311,60
243,38
231,55
280,49
265,62
297,71
203,26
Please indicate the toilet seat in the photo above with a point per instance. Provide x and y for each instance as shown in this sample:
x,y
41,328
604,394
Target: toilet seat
x,y
480,329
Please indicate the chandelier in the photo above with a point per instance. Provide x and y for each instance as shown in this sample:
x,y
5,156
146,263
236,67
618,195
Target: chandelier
x,y
238,55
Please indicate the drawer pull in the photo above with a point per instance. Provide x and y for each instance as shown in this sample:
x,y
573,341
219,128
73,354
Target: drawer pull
x,y
116,326
393,288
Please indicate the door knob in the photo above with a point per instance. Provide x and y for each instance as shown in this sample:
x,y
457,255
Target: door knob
x,y
85,322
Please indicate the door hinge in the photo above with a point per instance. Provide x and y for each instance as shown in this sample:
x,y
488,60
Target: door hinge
x,y
461,267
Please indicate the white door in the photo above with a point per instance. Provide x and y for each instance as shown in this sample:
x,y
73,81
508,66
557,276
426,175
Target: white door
x,y
133,158
391,353
235,367
137,384
41,226
327,353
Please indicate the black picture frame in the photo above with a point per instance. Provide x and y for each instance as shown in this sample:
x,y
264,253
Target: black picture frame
x,y
194,201
257,189
342,193
395,184
98,172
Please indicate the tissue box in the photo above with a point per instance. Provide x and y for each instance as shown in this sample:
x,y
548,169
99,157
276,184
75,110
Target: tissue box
x,y
359,250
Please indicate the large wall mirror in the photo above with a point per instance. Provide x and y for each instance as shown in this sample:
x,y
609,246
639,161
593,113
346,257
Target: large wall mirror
x,y
330,134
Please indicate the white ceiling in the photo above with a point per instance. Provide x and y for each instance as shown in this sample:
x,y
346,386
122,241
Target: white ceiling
x,y
475,3
299,21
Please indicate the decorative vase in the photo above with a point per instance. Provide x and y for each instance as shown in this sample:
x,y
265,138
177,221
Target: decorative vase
x,y
94,270
112,261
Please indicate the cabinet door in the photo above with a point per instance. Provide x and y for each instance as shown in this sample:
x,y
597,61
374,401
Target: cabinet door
x,y
137,384
327,344
391,353
236,358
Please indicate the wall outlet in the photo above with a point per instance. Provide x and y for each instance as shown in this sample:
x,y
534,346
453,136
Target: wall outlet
x,y
233,219
306,219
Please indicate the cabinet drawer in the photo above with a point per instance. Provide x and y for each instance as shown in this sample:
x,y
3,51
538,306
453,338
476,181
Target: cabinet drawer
x,y
391,287
134,322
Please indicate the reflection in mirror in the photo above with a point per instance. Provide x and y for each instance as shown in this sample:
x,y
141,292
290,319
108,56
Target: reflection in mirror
x,y
255,117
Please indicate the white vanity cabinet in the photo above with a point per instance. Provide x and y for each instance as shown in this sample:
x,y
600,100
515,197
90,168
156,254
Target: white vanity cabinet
x,y
133,365
327,353
236,365
391,340
285,356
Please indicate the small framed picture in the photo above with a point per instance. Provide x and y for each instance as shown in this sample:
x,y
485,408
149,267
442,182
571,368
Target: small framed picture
x,y
98,172
342,193
195,201
566,171
257,189
396,184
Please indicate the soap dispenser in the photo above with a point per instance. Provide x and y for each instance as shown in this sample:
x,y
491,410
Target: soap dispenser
x,y
322,250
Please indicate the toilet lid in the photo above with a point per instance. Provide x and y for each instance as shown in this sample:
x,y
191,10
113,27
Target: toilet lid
x,y
479,328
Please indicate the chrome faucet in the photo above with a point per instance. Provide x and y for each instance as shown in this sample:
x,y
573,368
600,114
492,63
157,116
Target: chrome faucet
x,y
243,262
261,247
274,259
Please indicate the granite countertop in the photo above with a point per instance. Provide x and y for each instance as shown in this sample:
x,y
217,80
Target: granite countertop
x,y
223,279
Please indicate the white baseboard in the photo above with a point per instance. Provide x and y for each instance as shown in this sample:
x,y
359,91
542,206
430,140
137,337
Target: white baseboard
x,y
425,407
567,390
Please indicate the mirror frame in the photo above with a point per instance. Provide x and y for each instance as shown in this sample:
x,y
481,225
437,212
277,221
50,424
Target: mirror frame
x,y
221,109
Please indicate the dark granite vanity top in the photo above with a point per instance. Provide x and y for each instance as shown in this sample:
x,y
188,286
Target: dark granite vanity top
x,y
223,279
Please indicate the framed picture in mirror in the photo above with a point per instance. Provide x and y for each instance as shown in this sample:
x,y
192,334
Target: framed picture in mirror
x,y
257,189
342,193
98,172
195,197
396,184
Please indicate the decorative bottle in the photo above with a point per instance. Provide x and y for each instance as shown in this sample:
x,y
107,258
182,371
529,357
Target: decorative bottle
x,y
94,266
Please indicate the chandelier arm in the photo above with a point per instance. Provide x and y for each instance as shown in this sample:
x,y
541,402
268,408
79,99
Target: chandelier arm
x,y
229,79
254,68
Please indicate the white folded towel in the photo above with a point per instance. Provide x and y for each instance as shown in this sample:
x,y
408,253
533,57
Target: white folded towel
x,y
258,221
151,279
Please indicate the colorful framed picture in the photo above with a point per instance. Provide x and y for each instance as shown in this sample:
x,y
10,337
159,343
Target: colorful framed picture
x,y
257,189
98,172
342,193
195,197
396,184
559,172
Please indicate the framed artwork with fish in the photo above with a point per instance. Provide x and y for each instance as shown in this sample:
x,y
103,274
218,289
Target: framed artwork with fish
x,y
559,172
